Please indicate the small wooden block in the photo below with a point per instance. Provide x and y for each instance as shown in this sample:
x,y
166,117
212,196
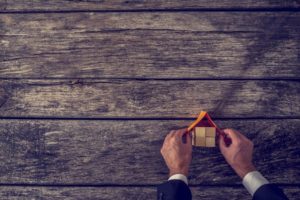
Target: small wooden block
x,y
204,136
210,131
200,142
193,137
210,142
200,131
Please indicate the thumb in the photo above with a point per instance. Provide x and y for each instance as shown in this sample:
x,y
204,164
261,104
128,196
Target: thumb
x,y
182,132
188,138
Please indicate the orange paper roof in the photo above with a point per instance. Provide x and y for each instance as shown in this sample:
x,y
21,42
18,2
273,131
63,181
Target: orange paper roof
x,y
201,116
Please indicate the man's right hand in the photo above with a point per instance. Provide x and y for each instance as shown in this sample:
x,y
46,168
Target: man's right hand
x,y
239,153
176,153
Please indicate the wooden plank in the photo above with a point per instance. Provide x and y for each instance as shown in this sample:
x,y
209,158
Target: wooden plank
x,y
128,152
144,99
124,193
150,45
39,5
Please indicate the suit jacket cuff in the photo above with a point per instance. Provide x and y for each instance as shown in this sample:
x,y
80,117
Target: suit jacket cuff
x,y
179,177
254,180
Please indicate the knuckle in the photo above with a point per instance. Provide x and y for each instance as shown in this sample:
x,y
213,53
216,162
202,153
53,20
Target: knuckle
x,y
252,145
239,143
249,142
172,139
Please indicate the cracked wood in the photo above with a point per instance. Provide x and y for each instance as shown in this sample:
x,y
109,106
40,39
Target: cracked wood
x,y
202,45
146,99
58,5
124,193
127,152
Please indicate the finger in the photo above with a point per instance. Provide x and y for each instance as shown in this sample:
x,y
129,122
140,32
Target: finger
x,y
234,135
188,139
242,136
172,132
169,136
181,135
177,135
239,135
222,144
181,132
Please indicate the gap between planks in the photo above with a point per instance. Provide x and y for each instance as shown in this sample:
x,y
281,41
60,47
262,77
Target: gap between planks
x,y
297,79
144,118
133,185
156,10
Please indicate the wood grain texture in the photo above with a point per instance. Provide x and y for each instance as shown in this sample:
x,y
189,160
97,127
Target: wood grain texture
x,y
150,45
124,193
128,152
42,5
145,99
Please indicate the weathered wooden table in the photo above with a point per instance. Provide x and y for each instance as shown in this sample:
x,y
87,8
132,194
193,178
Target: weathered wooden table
x,y
89,90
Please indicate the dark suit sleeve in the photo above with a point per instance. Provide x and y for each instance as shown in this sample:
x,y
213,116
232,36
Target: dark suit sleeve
x,y
173,190
269,191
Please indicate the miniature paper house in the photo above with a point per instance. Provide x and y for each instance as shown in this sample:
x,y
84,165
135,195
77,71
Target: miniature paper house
x,y
204,131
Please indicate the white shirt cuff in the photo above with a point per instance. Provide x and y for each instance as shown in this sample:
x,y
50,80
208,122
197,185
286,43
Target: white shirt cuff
x,y
254,180
179,177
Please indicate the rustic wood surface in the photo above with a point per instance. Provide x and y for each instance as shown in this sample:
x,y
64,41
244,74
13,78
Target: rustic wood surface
x,y
96,152
120,193
90,88
151,98
209,45
42,5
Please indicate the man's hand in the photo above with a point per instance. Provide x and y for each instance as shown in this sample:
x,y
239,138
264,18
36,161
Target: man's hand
x,y
239,153
177,155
